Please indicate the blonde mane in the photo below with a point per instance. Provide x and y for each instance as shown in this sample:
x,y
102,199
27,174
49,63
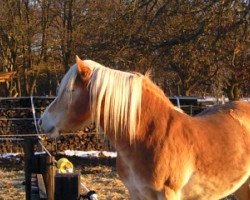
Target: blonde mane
x,y
116,93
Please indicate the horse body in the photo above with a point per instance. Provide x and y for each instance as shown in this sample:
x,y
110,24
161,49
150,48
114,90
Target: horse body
x,y
180,157
171,155
222,152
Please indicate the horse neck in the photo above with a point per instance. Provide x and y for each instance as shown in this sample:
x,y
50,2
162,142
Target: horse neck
x,y
154,92
154,106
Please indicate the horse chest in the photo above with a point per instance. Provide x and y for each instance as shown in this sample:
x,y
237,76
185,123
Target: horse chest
x,y
133,180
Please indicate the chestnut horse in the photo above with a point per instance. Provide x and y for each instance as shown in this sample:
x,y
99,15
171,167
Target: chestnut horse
x,y
162,152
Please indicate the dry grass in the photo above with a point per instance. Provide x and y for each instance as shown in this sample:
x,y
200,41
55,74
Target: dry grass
x,y
102,179
105,182
11,186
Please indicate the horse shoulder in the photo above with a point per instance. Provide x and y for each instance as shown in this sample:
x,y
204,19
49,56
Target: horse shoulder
x,y
179,150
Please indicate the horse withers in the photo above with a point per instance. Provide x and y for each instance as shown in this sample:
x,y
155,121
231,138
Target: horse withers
x,y
162,152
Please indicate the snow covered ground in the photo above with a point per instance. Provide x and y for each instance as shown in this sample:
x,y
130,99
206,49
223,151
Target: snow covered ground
x,y
82,154
85,154
9,155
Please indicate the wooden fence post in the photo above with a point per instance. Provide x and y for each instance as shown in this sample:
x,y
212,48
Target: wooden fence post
x,y
67,186
49,176
28,148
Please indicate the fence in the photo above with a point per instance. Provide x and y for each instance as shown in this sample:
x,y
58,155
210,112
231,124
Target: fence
x,y
18,123
16,118
42,182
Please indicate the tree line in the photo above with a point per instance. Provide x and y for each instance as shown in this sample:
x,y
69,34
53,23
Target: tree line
x,y
192,47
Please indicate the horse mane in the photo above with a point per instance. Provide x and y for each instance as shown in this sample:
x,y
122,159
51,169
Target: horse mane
x,y
120,95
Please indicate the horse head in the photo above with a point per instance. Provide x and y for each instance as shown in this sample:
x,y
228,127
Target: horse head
x,y
71,107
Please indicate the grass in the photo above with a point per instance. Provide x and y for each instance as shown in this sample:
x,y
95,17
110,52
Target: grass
x,y
11,186
102,179
105,181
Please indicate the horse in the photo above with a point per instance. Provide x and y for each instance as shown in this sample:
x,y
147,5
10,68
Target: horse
x,y
162,153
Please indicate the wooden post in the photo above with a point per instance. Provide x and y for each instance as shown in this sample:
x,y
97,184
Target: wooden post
x,y
41,187
28,148
49,176
67,186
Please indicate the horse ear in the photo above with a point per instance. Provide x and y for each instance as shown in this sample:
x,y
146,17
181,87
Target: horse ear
x,y
82,69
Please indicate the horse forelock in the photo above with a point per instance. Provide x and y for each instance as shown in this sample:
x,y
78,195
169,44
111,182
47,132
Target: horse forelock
x,y
68,80
67,84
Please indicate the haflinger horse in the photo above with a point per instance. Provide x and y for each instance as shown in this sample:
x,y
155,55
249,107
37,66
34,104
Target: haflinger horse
x,y
163,153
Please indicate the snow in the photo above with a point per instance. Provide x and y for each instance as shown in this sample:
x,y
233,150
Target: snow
x,y
86,154
110,154
9,155
82,154
40,153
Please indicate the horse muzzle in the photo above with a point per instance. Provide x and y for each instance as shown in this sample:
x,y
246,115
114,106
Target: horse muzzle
x,y
47,128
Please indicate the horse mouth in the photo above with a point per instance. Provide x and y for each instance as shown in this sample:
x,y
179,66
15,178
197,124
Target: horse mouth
x,y
52,132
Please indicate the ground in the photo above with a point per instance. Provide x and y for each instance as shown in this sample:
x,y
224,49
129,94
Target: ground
x,y
105,182
100,178
11,186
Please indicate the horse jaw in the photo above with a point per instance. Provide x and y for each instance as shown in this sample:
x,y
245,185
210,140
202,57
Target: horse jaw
x,y
54,134
50,131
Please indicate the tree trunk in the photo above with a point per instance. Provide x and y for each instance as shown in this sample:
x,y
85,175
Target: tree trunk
x,y
233,92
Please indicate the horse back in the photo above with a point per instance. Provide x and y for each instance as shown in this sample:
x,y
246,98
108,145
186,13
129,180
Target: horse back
x,y
233,118
225,127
